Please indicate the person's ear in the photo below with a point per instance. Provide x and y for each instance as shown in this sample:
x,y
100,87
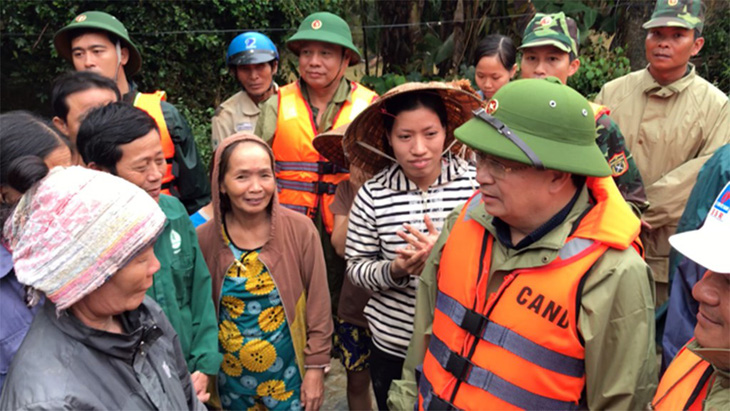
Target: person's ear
x,y
60,125
573,66
274,68
92,165
513,71
125,56
558,180
697,46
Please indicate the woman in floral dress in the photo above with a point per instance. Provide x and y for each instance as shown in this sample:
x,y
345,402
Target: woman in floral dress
x,y
269,285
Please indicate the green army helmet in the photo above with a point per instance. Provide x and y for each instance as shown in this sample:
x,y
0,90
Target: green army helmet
x,y
688,14
100,21
551,30
327,28
539,122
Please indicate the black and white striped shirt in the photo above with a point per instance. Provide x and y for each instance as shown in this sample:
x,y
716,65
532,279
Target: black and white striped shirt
x,y
382,206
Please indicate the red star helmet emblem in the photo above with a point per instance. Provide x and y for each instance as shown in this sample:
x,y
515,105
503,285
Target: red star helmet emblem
x,y
80,18
672,3
492,106
317,24
546,20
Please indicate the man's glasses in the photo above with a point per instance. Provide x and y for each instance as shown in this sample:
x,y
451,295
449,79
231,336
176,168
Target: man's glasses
x,y
495,168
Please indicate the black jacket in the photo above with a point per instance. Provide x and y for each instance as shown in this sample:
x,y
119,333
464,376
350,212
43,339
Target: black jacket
x,y
63,364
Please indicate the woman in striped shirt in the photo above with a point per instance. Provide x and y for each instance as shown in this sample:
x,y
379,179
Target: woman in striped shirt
x,y
397,215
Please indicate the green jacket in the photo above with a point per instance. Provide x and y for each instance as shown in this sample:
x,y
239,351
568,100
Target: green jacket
x,y
616,317
182,287
192,178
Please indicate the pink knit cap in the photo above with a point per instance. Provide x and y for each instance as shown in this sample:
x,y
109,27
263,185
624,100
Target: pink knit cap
x,y
77,227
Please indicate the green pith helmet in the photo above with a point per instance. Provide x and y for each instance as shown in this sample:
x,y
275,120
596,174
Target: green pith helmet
x,y
539,122
551,30
677,13
98,20
327,28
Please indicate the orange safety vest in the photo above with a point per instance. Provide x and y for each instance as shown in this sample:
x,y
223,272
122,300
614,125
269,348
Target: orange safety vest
x,y
599,110
518,348
685,383
150,102
306,180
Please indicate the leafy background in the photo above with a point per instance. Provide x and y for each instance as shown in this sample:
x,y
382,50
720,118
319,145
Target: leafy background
x,y
183,43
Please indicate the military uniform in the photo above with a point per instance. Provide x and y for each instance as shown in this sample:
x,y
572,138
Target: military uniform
x,y
561,32
672,130
238,113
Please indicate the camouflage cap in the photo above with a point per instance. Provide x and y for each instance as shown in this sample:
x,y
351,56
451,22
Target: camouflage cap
x,y
687,14
551,30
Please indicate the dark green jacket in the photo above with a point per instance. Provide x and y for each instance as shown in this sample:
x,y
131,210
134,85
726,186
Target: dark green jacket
x,y
182,287
188,168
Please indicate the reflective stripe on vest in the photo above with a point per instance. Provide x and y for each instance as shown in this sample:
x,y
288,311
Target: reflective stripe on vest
x,y
518,347
486,380
508,339
685,383
150,103
306,180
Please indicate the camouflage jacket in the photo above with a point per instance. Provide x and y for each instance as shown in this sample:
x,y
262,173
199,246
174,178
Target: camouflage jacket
x,y
625,173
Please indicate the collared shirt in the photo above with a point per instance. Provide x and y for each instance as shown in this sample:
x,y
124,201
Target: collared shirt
x,y
266,125
616,314
238,113
671,131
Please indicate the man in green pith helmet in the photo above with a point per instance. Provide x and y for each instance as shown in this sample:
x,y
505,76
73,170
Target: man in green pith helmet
x,y
321,100
97,41
550,48
542,300
673,121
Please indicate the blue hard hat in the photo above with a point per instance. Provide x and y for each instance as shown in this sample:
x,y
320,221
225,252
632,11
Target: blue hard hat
x,y
251,48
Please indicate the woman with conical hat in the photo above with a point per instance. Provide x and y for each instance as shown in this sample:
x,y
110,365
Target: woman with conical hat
x,y
406,140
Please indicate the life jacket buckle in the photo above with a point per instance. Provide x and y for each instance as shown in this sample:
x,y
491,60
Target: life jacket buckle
x,y
458,366
473,322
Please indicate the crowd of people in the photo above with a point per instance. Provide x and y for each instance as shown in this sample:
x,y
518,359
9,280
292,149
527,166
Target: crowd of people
x,y
499,248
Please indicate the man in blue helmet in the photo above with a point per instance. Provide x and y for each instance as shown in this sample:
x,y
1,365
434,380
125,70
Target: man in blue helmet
x,y
252,59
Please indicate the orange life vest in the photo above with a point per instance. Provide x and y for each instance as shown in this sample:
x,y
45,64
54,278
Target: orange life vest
x,y
518,348
599,110
150,102
306,180
685,383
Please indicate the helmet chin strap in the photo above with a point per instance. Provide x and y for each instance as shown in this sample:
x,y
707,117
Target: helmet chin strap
x,y
119,61
339,69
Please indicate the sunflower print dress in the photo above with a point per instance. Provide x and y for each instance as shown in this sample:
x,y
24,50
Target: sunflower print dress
x,y
259,369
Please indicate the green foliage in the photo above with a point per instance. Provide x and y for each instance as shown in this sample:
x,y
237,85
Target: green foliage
x,y
199,120
598,65
183,46
715,65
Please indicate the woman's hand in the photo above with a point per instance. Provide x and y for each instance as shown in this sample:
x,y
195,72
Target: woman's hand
x,y
412,258
312,389
200,384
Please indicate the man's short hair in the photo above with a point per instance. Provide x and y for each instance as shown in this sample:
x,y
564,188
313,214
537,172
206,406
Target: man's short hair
x,y
74,82
106,128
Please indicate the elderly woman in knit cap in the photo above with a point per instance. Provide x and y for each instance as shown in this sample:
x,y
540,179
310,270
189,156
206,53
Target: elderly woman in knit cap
x,y
84,239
